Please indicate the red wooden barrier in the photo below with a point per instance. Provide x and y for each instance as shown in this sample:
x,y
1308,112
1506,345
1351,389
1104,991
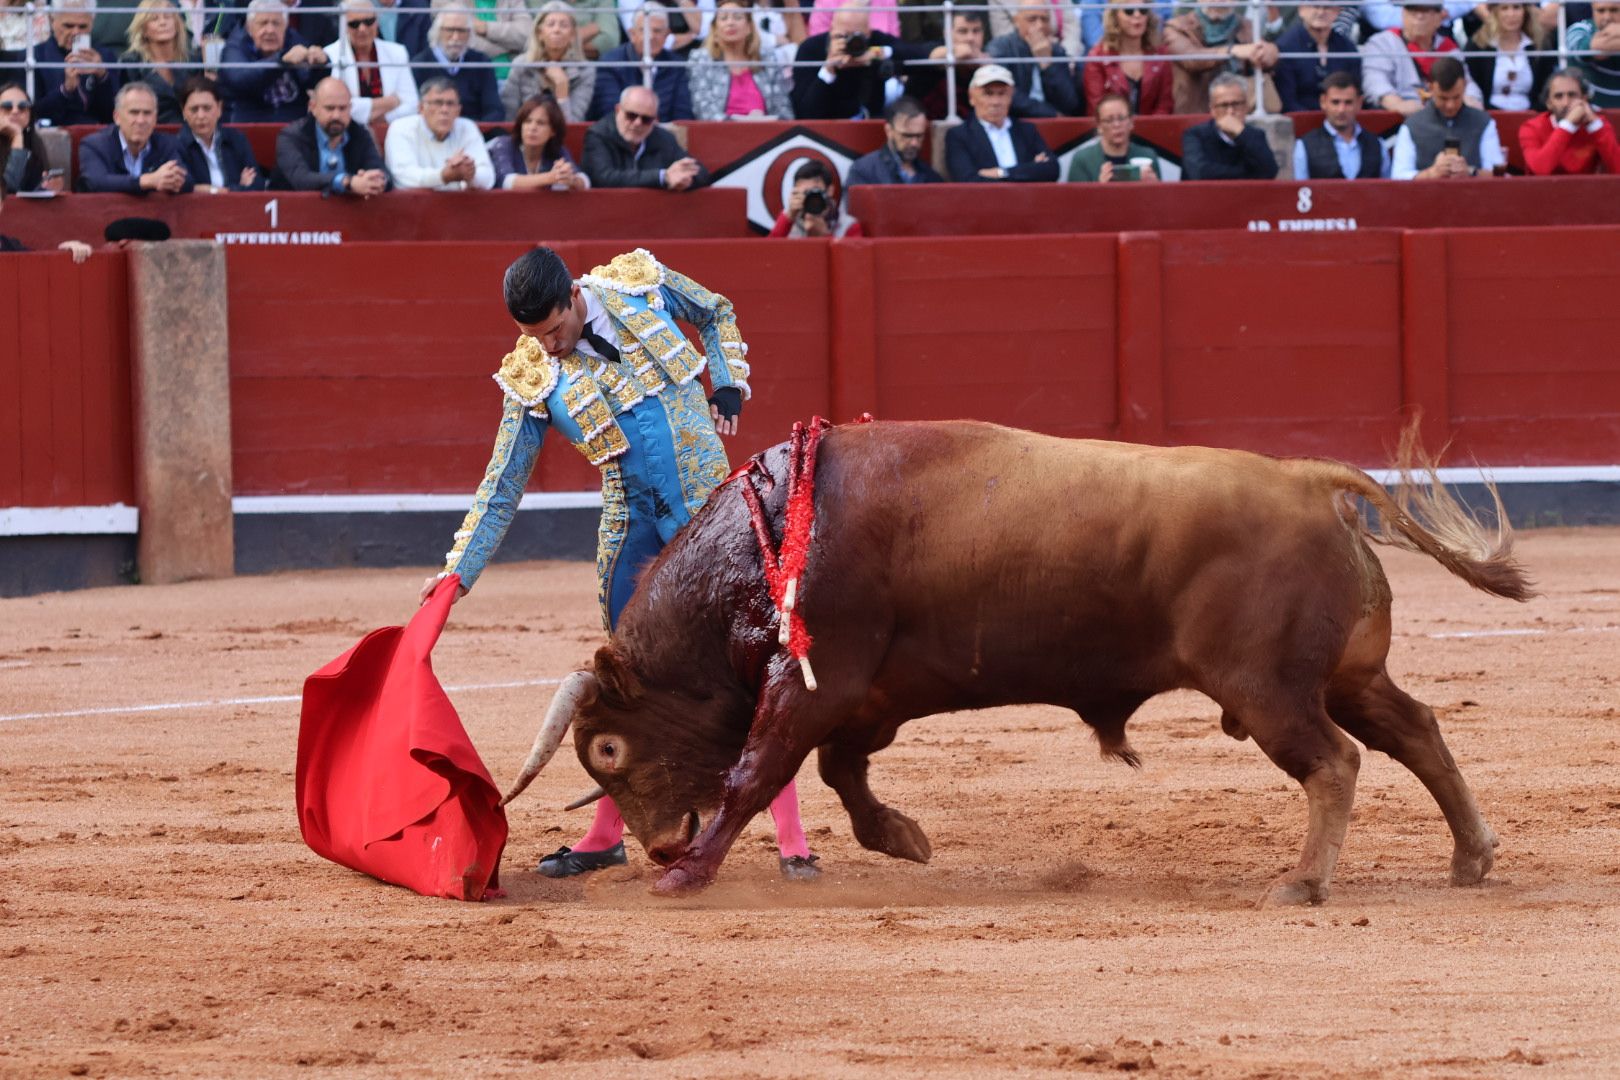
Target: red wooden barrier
x,y
1276,206
382,384
1532,370
365,368
306,218
65,434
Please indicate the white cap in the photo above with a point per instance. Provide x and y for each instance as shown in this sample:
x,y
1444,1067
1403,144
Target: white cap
x,y
991,73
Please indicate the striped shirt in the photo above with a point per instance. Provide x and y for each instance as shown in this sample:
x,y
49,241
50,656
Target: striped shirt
x,y
1603,72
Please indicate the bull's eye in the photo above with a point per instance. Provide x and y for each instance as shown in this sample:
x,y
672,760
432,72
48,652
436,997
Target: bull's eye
x,y
607,753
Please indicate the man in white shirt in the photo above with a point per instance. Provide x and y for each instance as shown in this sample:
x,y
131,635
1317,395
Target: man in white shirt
x,y
438,149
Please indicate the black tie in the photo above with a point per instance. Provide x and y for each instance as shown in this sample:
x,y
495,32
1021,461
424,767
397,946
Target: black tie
x,y
602,347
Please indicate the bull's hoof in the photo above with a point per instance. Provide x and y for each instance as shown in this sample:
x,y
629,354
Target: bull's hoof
x,y
1291,891
1470,865
893,833
681,880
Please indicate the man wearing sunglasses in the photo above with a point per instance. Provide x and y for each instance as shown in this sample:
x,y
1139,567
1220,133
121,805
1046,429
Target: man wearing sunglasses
x,y
629,150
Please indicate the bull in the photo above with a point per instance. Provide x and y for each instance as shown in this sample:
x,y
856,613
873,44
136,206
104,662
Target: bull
x,y
961,565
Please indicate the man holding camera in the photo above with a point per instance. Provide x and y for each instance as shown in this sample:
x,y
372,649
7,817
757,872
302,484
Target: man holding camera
x,y
1447,138
812,209
82,92
857,66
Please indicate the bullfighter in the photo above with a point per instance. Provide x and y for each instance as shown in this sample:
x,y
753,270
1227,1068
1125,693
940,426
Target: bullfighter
x,y
603,362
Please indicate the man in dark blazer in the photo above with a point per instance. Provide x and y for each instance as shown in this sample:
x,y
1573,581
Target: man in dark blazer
x,y
447,57
320,27
328,151
82,93
1299,80
1224,147
992,146
132,157
275,68
651,27
899,159
629,150
1032,36
855,62
215,157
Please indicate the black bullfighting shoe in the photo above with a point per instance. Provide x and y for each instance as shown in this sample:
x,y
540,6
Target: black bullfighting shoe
x,y
801,867
566,862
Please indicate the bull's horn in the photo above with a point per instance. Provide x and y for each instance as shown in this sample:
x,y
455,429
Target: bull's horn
x,y
587,798
558,717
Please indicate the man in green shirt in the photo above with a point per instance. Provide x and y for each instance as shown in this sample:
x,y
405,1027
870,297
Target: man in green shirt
x,y
1113,156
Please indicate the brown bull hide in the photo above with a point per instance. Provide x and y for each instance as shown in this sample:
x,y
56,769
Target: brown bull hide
x,y
962,565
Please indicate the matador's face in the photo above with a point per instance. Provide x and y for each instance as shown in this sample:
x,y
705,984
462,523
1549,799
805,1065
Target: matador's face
x,y
559,332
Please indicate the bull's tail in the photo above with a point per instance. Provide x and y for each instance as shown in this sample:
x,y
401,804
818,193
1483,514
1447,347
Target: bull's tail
x,y
1423,516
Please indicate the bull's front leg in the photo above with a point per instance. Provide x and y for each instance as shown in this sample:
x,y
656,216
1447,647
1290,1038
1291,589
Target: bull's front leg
x,y
778,743
881,828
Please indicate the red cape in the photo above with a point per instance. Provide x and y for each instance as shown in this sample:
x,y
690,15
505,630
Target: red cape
x,y
388,782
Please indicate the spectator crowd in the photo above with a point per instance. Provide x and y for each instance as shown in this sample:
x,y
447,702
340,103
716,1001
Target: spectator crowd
x,y
479,94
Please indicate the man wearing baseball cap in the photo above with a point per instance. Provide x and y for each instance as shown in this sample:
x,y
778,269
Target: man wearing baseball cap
x,y
993,146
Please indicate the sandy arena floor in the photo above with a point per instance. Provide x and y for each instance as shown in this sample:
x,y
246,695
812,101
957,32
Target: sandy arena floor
x,y
160,915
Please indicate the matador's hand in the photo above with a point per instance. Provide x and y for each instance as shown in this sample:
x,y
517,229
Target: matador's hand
x,y
430,584
725,408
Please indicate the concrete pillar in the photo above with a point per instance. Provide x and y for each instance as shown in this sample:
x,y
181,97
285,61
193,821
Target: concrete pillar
x,y
1279,130
181,368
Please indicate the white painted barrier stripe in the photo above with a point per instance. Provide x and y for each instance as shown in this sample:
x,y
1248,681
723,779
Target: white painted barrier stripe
x,y
68,520
1528,632
278,699
393,504
1517,474
120,519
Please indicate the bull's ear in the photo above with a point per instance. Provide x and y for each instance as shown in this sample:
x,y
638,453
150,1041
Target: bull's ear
x,y
618,684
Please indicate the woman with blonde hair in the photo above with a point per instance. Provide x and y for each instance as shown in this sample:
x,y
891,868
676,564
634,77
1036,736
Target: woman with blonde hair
x,y
158,40
1131,28
1496,61
554,64
728,78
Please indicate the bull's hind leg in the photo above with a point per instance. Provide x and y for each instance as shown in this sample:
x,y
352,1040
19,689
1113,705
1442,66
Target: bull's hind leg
x,y
1386,719
1300,739
843,764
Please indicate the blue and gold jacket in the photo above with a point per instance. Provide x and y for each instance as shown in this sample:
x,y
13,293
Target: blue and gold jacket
x,y
643,420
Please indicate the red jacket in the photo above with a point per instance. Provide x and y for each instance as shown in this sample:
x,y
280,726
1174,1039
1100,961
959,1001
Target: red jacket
x,y
1157,96
1549,150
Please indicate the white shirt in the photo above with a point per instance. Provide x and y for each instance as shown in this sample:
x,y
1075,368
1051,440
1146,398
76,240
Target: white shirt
x,y
1001,142
1510,80
416,159
216,175
597,321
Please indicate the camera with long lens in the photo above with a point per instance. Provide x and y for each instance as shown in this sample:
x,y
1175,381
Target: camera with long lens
x,y
815,202
856,44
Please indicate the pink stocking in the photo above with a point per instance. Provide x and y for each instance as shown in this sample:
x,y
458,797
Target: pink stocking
x,y
790,839
607,827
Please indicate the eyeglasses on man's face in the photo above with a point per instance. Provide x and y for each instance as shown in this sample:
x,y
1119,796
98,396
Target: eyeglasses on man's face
x,y
635,117
1228,106
355,24
442,103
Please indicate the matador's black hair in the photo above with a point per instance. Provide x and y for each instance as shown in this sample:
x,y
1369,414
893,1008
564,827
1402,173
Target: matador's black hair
x,y
536,286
